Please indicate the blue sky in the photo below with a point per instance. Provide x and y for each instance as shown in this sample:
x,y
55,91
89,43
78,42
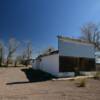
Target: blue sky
x,y
40,21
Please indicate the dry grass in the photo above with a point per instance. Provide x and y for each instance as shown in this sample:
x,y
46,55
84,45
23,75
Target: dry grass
x,y
81,82
45,90
97,75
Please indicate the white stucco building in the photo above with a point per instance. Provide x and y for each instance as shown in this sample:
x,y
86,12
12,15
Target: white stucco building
x,y
71,54
97,60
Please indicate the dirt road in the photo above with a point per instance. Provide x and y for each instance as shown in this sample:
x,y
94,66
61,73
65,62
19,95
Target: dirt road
x,y
14,85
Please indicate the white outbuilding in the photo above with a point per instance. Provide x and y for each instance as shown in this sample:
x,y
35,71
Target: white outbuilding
x,y
71,54
97,60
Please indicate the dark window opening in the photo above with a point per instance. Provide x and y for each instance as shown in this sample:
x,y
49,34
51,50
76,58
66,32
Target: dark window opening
x,y
68,64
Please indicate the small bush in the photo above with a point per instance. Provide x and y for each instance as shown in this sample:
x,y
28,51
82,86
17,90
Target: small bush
x,y
97,75
81,82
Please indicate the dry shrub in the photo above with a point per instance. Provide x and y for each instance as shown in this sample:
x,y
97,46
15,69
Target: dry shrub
x,y
81,82
97,75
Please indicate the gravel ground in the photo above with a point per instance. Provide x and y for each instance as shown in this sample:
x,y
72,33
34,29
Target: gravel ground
x,y
22,89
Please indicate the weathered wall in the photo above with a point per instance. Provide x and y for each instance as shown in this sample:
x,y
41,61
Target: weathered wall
x,y
50,64
34,65
75,49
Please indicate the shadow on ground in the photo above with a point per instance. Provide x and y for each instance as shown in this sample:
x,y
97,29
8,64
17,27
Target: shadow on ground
x,y
34,76
37,75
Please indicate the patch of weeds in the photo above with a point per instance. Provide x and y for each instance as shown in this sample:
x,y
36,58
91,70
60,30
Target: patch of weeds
x,y
81,82
97,75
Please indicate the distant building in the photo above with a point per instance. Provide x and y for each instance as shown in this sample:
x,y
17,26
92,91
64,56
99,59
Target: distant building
x,y
71,54
97,60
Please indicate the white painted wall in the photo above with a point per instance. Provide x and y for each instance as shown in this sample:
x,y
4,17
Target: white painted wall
x,y
75,49
50,64
97,57
34,64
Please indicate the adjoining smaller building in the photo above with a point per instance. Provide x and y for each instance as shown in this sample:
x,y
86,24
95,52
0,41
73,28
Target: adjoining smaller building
x,y
72,54
97,60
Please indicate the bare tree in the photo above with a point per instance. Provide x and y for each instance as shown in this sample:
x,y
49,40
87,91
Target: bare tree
x,y
27,53
1,53
91,33
29,50
12,47
18,60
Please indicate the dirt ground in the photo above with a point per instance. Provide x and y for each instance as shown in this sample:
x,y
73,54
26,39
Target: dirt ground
x,y
16,85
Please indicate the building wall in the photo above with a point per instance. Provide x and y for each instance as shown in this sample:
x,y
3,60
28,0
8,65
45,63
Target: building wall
x,y
50,64
66,48
97,57
74,54
34,65
97,60
75,49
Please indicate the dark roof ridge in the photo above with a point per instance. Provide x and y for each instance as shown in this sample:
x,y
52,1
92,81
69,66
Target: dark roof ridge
x,y
51,53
